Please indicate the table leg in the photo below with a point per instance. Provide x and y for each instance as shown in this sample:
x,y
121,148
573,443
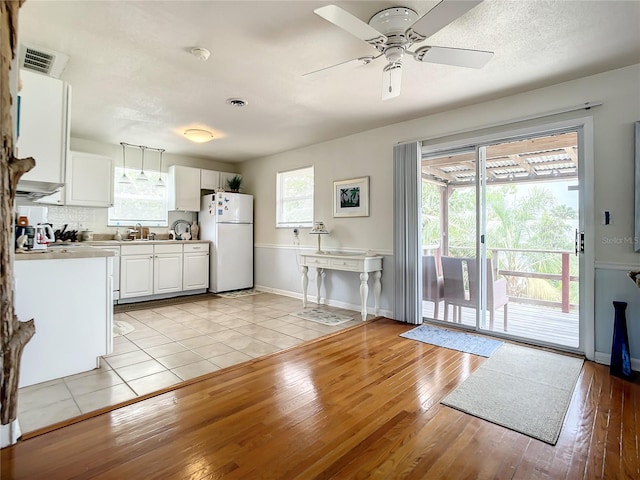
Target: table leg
x,y
305,284
377,287
319,282
364,293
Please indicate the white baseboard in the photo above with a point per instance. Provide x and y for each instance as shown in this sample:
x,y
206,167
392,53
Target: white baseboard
x,y
605,359
331,303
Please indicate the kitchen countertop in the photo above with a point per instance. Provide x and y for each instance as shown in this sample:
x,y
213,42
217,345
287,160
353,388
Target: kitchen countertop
x,y
87,250
64,252
135,242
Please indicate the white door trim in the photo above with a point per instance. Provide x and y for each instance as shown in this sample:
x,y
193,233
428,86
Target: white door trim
x,y
584,126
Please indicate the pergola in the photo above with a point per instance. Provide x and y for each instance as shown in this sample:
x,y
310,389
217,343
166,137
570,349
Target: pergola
x,y
531,160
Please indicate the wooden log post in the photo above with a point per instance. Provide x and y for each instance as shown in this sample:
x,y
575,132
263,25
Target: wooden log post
x,y
15,334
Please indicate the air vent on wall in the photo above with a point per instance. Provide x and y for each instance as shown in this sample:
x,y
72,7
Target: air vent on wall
x,y
42,60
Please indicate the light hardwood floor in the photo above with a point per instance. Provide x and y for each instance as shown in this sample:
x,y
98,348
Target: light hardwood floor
x,y
171,344
363,403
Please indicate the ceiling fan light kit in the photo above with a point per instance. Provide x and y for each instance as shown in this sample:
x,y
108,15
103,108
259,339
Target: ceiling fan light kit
x,y
391,80
393,31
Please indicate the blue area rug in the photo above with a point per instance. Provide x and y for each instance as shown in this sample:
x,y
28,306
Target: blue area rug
x,y
464,342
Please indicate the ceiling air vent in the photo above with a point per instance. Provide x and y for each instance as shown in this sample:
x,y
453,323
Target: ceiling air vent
x,y
42,60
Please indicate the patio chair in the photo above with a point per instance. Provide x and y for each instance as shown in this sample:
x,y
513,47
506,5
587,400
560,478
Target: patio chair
x,y
454,287
432,284
496,291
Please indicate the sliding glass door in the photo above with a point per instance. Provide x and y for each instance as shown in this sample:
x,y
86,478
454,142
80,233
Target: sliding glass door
x,y
499,220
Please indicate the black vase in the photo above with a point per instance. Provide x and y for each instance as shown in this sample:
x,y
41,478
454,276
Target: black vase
x,y
620,357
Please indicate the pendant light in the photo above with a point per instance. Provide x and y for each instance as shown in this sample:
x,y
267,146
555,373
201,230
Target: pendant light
x,y
124,178
141,176
160,182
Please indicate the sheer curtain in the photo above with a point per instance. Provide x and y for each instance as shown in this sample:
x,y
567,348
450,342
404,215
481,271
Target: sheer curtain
x,y
406,233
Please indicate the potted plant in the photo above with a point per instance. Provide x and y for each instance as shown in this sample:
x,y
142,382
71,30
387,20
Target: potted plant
x,y
234,183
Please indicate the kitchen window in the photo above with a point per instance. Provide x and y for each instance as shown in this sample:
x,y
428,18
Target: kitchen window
x,y
294,198
139,201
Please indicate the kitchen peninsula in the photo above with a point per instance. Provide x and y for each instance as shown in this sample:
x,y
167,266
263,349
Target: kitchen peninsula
x,y
68,291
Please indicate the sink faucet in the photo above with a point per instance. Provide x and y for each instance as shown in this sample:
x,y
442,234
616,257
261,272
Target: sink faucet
x,y
139,230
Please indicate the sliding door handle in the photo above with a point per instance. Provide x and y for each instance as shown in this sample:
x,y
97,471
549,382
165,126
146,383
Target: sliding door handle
x,y
579,242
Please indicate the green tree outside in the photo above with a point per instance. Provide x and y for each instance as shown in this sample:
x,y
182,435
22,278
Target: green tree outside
x,y
517,218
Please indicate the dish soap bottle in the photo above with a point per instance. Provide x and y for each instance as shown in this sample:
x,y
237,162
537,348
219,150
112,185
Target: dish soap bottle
x,y
117,236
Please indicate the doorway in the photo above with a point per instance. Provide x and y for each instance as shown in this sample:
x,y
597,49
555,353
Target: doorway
x,y
500,219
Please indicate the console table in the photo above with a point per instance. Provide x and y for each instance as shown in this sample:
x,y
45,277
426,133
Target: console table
x,y
347,262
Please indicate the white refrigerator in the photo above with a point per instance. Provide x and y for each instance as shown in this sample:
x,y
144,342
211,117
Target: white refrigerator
x,y
226,219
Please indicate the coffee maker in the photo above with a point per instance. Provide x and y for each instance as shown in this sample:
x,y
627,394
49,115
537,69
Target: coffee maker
x,y
30,233
32,222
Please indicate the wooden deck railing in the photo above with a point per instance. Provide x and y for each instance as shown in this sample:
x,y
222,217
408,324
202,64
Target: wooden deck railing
x,y
564,276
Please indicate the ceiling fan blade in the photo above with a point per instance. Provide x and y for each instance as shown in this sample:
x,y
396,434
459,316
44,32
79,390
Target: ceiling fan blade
x,y
439,17
391,80
353,62
351,24
458,57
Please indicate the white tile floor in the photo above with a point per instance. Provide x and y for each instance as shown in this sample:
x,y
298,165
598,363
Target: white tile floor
x,y
172,344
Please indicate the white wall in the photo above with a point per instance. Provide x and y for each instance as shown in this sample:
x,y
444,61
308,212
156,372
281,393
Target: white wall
x,y
95,219
370,153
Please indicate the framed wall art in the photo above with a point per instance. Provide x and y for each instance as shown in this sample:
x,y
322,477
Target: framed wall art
x,y
351,198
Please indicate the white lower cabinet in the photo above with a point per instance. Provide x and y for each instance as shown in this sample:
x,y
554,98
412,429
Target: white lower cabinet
x,y
195,273
167,269
136,271
163,268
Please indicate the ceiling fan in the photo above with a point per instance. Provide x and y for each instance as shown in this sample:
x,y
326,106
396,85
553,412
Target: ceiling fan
x,y
394,30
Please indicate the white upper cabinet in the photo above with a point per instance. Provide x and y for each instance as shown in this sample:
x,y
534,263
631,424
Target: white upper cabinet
x,y
43,125
89,180
209,179
184,188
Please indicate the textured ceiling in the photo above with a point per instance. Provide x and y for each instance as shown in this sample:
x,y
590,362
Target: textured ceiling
x,y
134,79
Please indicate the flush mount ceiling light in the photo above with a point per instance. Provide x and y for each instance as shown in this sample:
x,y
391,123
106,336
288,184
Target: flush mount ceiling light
x,y
198,135
200,53
236,102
